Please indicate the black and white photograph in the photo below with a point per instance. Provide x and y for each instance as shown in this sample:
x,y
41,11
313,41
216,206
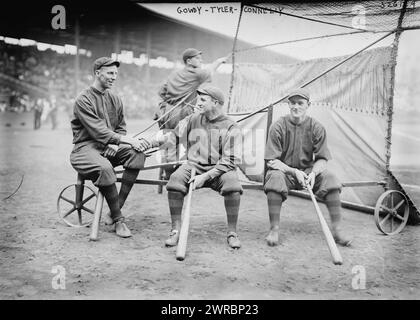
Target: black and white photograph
x,y
229,152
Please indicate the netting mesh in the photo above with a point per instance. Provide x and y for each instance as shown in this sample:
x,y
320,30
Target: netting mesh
x,y
322,26
379,15
359,85
265,81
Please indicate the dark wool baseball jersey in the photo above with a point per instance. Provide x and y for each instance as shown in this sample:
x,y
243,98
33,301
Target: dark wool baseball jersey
x,y
181,84
297,145
215,143
98,116
182,81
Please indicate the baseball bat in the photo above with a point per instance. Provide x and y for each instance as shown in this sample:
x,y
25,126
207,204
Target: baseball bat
x,y
183,235
97,217
332,246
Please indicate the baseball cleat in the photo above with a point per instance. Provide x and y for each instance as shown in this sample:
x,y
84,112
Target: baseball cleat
x,y
233,240
122,230
273,238
172,239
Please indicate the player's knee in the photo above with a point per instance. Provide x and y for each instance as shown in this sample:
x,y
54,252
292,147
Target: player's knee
x,y
135,160
282,192
230,183
329,180
275,182
329,183
177,183
231,187
106,175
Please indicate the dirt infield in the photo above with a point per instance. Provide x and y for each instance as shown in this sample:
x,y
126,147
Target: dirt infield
x,y
33,241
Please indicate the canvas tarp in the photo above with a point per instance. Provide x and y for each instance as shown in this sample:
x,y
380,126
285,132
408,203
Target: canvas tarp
x,y
350,101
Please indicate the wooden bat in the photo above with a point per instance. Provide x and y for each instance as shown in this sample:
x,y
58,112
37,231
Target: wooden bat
x,y
335,254
183,235
97,217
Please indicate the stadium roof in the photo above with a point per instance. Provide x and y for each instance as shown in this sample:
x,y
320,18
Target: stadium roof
x,y
105,28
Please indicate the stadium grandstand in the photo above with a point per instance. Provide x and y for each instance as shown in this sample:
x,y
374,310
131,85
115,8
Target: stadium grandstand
x,y
38,61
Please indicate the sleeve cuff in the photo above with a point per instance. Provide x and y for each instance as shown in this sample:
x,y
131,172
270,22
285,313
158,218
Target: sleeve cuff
x,y
213,173
115,139
154,143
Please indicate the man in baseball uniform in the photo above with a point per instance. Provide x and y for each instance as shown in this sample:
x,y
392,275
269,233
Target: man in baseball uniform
x,y
100,141
185,82
297,156
213,143
181,87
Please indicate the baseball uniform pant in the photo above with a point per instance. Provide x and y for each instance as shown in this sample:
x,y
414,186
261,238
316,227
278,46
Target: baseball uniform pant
x,y
279,182
224,184
88,161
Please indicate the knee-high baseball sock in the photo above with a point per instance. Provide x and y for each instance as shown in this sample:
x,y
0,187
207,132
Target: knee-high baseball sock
x,y
333,203
111,196
274,200
232,202
176,201
128,178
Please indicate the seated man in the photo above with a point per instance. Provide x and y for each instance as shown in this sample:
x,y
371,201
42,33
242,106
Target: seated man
x,y
213,147
297,155
100,141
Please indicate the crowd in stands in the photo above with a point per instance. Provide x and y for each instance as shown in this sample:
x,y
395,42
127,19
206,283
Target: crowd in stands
x,y
15,100
54,73
48,71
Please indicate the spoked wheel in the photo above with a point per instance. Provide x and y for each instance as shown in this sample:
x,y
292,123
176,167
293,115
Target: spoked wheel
x,y
76,205
391,212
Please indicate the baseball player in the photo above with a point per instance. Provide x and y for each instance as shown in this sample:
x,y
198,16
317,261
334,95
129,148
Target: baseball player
x,y
100,141
213,147
297,156
182,84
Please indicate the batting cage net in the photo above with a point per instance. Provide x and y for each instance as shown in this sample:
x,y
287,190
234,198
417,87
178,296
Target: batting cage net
x,y
352,93
377,15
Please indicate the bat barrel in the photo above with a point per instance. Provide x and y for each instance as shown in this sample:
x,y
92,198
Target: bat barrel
x,y
183,235
97,217
332,246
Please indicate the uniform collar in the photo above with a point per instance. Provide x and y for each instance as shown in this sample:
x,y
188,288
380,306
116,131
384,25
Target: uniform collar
x,y
218,118
289,120
191,68
97,91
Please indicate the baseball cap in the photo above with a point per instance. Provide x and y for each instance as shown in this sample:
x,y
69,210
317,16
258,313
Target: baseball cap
x,y
104,62
189,53
213,92
299,92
